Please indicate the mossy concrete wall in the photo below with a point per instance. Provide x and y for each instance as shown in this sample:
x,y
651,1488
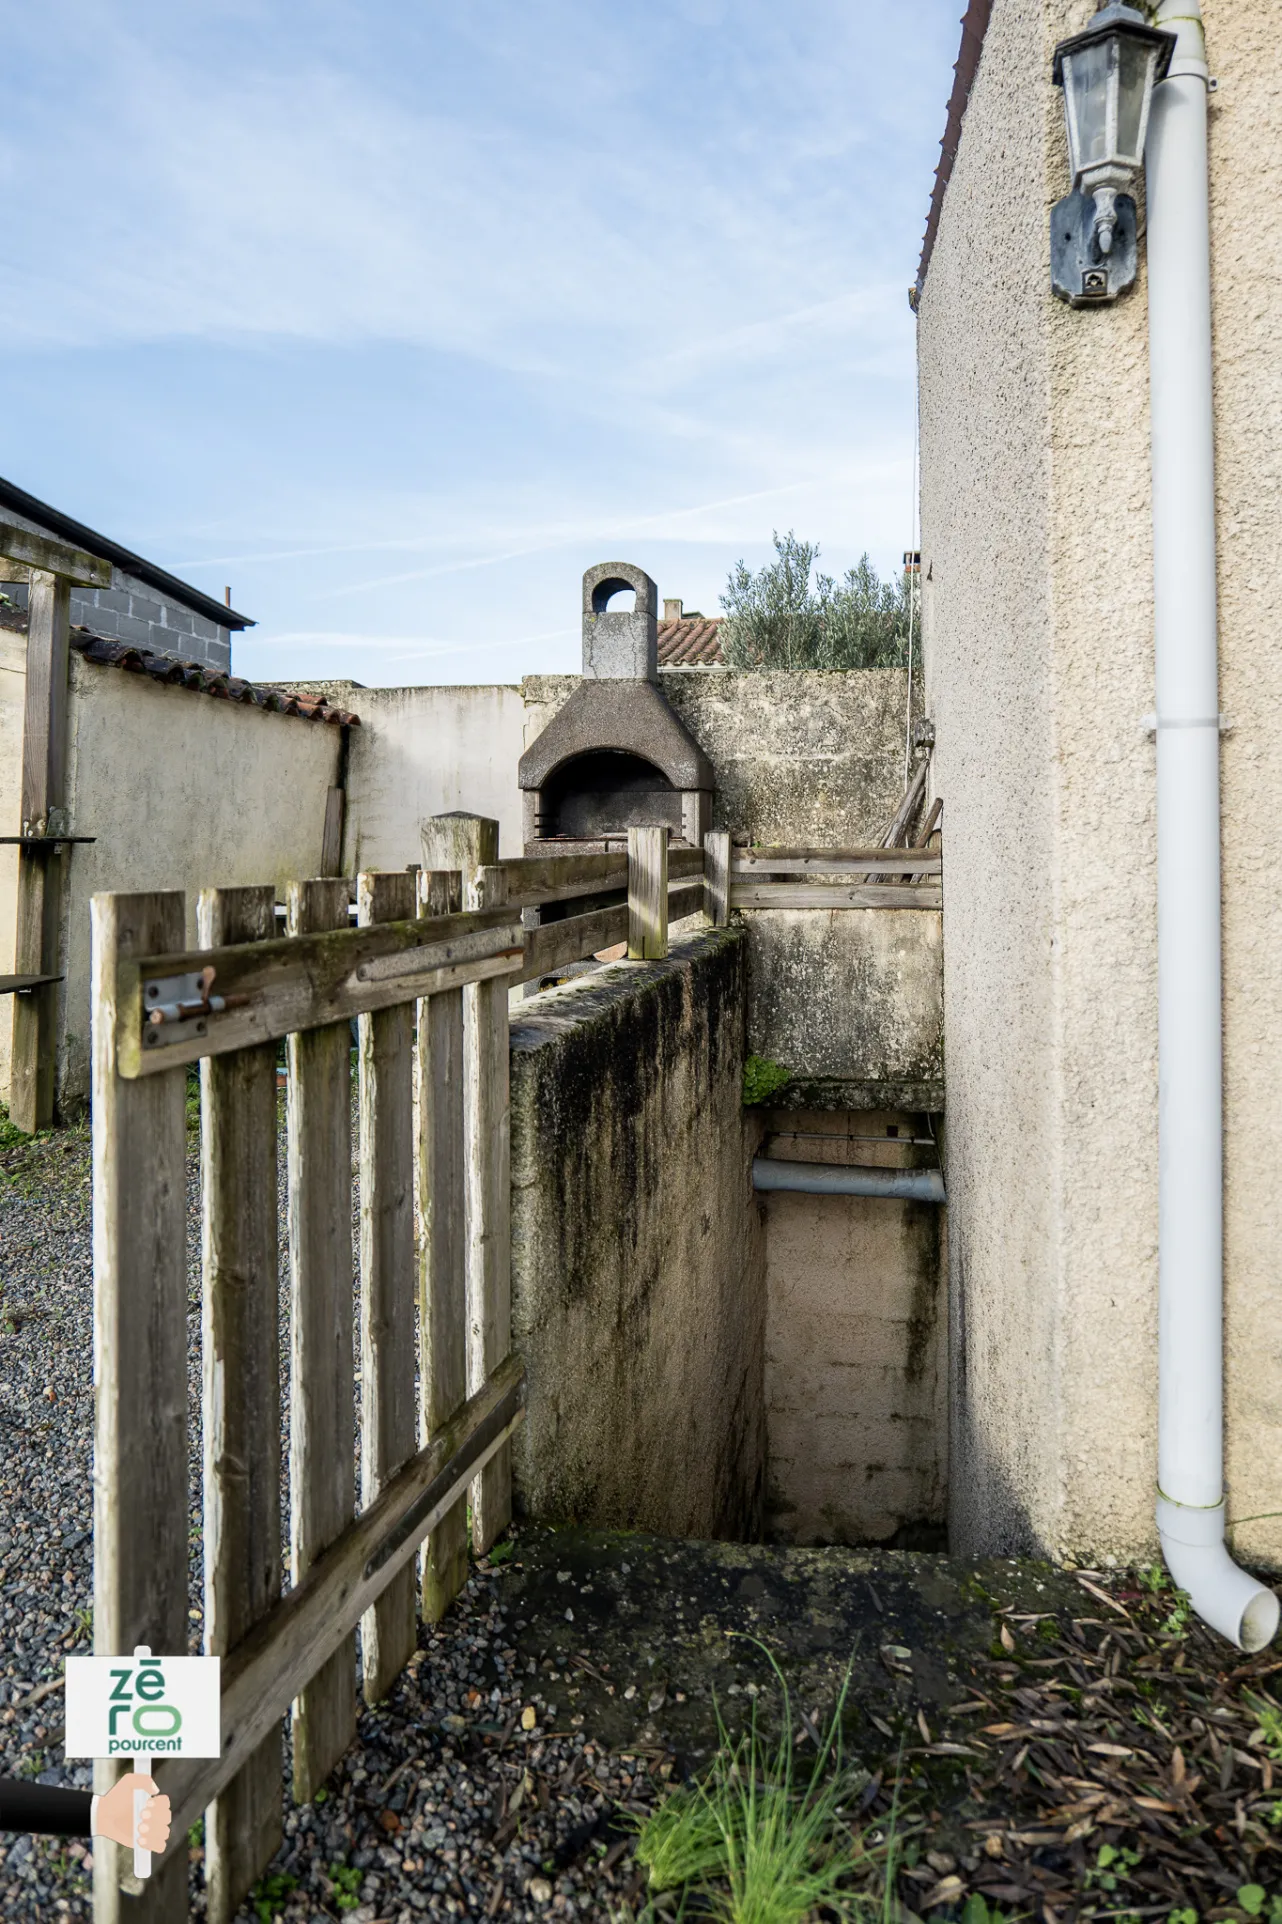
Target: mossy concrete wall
x,y
638,1295
856,1340
852,1002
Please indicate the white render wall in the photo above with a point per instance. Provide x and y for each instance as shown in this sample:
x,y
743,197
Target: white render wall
x,y
1036,555
181,791
422,752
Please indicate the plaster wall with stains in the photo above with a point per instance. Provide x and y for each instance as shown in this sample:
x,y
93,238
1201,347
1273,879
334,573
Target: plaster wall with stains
x,y
1037,557
856,1340
180,791
638,1298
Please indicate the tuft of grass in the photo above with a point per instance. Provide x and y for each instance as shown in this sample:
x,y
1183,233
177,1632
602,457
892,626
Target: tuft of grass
x,y
755,1841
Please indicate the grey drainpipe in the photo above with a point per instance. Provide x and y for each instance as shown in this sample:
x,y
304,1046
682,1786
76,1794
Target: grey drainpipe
x,y
832,1179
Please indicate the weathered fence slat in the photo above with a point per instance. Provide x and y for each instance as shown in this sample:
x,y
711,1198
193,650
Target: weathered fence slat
x,y
820,895
140,1364
487,1211
442,1259
716,876
240,1330
648,893
321,1427
272,1664
389,1431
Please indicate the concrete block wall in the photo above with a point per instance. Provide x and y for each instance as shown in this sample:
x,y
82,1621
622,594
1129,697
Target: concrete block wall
x,y
130,611
856,1340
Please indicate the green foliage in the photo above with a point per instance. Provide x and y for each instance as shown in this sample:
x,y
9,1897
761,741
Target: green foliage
x,y
1113,1865
1182,1917
1269,1721
776,618
346,1880
976,1910
763,1079
754,1842
196,1834
191,1103
1252,1898
501,1552
270,1893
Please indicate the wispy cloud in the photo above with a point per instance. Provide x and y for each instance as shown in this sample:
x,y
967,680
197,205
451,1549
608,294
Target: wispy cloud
x,y
533,279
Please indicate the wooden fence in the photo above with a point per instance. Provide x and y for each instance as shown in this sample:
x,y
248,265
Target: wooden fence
x,y
428,981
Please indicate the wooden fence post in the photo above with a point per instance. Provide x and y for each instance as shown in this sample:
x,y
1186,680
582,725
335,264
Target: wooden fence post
x,y
470,842
716,876
322,1473
240,1393
443,1242
389,1431
140,1363
647,894
40,871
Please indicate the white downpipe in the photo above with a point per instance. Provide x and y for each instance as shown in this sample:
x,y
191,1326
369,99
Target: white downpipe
x,y
1190,1505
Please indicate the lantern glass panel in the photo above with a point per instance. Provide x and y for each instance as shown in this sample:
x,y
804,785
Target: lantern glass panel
x,y
1135,60
1086,97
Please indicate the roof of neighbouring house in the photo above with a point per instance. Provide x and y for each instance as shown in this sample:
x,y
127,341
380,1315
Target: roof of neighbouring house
x,y
973,28
79,536
190,675
693,641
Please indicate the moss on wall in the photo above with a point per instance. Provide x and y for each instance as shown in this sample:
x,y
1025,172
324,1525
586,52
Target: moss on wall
x,y
637,1268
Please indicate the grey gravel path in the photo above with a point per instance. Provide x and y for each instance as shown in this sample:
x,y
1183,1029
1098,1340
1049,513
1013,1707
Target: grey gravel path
x,y
446,1806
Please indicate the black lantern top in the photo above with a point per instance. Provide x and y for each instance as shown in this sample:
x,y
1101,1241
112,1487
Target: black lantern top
x,y
1108,73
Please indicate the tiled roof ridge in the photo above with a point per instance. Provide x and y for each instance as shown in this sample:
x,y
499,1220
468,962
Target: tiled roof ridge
x,y
206,681
974,26
691,642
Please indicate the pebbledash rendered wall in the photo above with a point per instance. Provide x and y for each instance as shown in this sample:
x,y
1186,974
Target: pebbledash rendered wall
x,y
180,791
1036,557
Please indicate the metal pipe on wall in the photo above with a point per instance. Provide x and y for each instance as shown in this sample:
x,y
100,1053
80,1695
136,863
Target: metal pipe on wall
x,y
1190,1504
836,1179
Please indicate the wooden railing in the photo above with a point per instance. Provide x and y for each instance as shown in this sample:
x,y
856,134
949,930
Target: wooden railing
x,y
427,981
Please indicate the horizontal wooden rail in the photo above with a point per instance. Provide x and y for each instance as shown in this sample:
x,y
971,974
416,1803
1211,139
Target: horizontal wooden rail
x,y
557,944
534,881
836,861
294,983
265,1673
531,882
684,898
819,895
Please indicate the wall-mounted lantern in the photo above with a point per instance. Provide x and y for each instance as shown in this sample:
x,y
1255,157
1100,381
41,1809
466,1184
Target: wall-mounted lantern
x,y
1108,73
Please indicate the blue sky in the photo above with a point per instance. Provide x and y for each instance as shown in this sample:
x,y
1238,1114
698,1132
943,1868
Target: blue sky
x,y
396,316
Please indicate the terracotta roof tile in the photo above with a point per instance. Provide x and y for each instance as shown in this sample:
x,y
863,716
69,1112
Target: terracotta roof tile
x,y
203,681
691,642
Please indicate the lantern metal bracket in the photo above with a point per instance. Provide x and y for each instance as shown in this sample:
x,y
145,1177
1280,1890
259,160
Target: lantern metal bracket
x,y
1080,273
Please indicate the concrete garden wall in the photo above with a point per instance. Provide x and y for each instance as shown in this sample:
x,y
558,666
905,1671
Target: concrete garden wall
x,y
638,1291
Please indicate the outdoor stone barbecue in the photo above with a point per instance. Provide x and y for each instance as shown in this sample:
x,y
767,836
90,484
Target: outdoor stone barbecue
x,y
616,756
